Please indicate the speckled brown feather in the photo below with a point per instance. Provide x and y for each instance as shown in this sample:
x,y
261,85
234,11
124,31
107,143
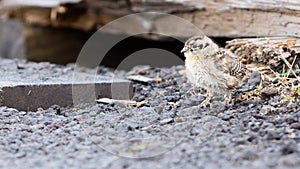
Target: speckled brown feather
x,y
229,63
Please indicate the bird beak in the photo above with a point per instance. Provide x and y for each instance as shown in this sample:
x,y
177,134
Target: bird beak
x,y
183,50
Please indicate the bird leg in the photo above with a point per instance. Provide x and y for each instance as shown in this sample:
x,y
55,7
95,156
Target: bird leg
x,y
193,91
228,96
206,102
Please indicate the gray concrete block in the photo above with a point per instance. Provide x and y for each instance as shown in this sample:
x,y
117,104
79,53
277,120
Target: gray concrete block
x,y
29,97
29,85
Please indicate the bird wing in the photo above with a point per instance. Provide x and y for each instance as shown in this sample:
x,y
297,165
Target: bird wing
x,y
228,63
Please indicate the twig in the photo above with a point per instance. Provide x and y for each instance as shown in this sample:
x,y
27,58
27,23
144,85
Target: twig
x,y
290,66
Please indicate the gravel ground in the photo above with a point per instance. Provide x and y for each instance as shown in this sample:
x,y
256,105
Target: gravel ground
x,y
165,130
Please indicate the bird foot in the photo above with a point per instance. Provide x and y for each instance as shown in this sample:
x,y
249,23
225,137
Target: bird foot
x,y
205,102
193,92
205,95
228,101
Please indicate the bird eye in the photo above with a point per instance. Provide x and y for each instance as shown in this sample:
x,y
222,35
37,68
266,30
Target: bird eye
x,y
196,47
206,44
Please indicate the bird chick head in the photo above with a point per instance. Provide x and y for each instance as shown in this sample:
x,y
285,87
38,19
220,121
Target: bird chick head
x,y
199,45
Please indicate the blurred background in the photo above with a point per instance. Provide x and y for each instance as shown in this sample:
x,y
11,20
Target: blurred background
x,y
56,30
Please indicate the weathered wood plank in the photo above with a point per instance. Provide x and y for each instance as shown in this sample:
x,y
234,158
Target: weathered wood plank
x,y
224,18
43,3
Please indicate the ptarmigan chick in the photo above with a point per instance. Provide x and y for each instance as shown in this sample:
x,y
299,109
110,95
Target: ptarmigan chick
x,y
215,69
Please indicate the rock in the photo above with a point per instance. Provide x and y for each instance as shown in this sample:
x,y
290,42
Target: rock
x,y
139,98
139,78
57,109
173,98
291,119
253,81
273,135
295,125
266,109
269,91
289,149
275,80
166,121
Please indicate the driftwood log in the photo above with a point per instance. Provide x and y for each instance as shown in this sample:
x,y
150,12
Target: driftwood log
x,y
272,56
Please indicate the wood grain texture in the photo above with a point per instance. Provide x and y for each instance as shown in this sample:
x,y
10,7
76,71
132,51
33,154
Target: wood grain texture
x,y
222,18
271,56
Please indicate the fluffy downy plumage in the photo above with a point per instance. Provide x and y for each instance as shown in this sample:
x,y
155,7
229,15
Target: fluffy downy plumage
x,y
215,69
